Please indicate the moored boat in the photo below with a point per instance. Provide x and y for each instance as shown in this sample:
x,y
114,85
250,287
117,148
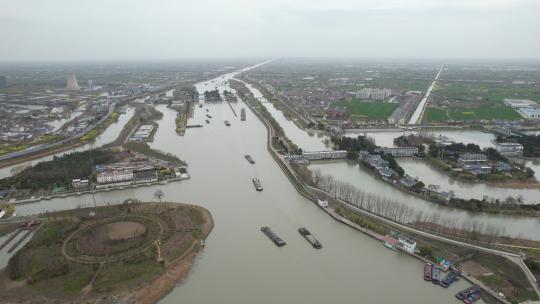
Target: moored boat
x,y
227,123
473,297
449,279
467,292
427,272
436,275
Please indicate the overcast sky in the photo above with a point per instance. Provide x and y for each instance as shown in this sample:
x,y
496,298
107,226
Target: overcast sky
x,y
34,30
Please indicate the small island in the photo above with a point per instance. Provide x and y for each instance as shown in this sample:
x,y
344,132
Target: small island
x,y
76,173
133,252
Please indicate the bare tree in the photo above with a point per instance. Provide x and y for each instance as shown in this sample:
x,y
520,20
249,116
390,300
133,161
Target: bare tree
x,y
159,194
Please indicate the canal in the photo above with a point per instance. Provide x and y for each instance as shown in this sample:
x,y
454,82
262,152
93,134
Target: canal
x,y
239,263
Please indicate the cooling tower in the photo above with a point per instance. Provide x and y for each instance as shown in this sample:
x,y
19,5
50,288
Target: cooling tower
x,y
72,84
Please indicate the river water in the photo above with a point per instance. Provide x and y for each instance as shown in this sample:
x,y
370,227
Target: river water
x,y
241,265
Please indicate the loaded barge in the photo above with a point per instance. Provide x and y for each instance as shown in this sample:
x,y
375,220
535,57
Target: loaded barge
x,y
257,184
449,279
467,293
249,159
274,237
436,275
310,238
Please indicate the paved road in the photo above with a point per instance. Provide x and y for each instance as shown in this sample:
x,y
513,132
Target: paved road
x,y
416,118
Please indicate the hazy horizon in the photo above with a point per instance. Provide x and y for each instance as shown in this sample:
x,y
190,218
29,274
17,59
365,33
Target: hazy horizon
x,y
61,30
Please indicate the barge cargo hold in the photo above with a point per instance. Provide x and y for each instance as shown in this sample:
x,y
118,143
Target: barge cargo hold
x,y
257,184
310,238
449,279
274,237
464,294
427,272
249,159
475,296
243,114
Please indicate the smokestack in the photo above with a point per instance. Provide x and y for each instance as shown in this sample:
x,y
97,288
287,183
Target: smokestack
x,y
71,84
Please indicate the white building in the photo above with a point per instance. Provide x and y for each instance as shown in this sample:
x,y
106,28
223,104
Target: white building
x,y
375,94
318,155
509,149
518,103
399,151
79,183
406,245
114,177
530,113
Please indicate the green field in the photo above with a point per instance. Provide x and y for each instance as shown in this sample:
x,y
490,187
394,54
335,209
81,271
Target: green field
x,y
367,110
487,113
434,114
495,93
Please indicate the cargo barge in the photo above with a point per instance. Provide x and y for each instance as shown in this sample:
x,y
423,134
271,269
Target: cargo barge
x,y
449,279
274,237
257,184
243,114
249,159
310,238
464,294
475,296
436,275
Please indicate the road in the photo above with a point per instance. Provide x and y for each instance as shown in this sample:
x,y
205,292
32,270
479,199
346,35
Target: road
x,y
416,118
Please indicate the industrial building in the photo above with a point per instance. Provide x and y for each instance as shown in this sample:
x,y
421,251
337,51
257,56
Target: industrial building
x,y
143,133
399,151
509,149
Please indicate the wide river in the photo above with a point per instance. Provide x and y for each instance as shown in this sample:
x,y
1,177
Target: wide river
x,y
239,264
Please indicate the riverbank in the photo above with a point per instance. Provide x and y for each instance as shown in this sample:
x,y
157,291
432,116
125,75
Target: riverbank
x,y
143,273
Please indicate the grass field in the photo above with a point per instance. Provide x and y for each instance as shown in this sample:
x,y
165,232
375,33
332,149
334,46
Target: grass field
x,y
487,113
494,93
434,114
367,110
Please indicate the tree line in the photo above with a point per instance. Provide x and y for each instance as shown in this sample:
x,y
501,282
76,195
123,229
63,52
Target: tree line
x,y
59,171
401,213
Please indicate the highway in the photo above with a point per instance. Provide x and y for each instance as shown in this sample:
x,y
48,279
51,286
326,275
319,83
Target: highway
x,y
416,118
